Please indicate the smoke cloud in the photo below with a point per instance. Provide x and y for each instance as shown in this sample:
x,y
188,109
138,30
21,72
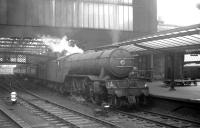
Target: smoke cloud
x,y
60,45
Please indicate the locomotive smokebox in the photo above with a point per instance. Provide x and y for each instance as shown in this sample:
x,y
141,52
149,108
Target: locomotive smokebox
x,y
115,62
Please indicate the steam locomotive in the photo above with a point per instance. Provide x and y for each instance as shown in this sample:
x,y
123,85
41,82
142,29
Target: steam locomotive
x,y
99,76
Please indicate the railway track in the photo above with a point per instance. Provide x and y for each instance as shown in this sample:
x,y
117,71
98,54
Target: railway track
x,y
160,119
60,116
143,119
7,122
7,119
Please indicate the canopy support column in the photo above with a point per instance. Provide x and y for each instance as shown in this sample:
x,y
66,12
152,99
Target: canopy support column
x,y
172,85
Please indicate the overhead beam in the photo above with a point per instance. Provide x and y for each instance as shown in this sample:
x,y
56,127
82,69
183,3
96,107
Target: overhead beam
x,y
169,34
179,32
148,48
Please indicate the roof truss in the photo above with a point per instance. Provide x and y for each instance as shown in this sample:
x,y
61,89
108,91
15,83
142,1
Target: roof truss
x,y
26,45
179,39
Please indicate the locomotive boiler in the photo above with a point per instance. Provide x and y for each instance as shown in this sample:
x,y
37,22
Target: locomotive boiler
x,y
110,63
101,76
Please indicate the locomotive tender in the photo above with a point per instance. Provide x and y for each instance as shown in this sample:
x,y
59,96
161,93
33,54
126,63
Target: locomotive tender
x,y
101,76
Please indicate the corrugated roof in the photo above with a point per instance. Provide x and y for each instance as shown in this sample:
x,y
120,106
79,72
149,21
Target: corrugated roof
x,y
172,42
176,39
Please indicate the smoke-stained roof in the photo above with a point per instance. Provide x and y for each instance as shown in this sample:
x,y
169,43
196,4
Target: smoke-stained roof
x,y
183,39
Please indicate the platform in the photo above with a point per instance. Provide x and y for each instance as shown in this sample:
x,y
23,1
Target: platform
x,y
182,93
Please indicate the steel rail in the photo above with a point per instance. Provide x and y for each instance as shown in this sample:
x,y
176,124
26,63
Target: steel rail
x,y
103,122
11,117
47,112
171,116
137,115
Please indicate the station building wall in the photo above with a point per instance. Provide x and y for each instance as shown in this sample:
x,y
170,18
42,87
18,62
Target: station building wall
x,y
159,66
85,20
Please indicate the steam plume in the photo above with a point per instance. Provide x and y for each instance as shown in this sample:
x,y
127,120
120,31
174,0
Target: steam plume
x,y
60,45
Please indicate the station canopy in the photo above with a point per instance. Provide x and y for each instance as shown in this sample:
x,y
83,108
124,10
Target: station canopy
x,y
23,45
185,39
